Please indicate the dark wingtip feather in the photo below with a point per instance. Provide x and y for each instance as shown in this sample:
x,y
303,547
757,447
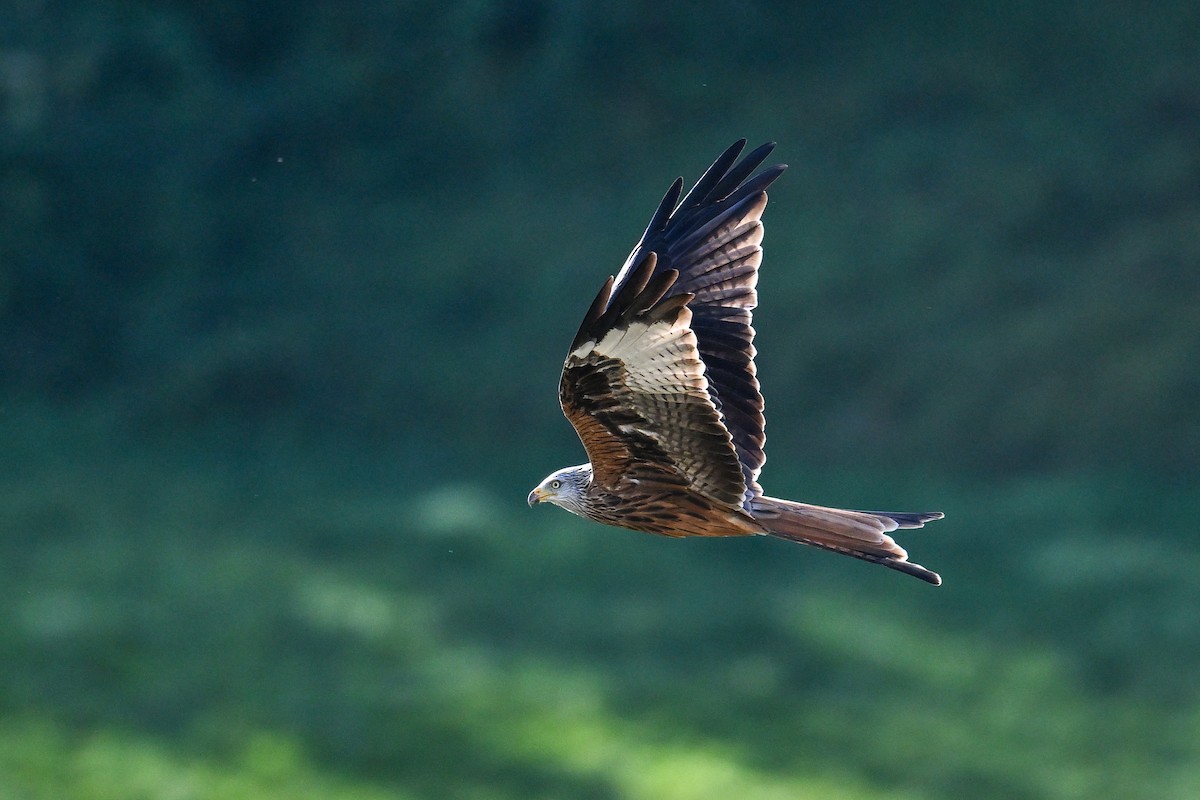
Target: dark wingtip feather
x,y
742,171
667,309
713,176
627,293
665,207
652,293
637,280
594,312
762,180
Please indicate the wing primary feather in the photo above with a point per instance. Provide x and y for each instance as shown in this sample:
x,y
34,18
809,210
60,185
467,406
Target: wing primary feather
x,y
666,309
593,313
665,207
638,280
604,318
712,176
651,294
762,180
742,171
631,288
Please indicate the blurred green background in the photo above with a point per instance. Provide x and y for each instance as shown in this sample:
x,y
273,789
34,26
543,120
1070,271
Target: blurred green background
x,y
284,293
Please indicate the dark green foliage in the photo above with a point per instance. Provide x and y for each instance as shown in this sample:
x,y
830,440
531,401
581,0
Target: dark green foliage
x,y
242,213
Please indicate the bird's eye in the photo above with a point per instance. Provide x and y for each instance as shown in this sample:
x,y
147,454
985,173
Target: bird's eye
x,y
555,484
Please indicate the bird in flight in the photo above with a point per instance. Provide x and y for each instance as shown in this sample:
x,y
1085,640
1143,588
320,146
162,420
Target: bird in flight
x,y
660,385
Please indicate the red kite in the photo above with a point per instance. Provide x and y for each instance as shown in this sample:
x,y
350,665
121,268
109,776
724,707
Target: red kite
x,y
660,386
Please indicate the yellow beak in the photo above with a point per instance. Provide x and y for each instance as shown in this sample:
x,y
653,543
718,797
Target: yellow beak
x,y
537,495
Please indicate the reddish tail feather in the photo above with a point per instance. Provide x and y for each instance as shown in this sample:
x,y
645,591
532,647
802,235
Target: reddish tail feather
x,y
862,534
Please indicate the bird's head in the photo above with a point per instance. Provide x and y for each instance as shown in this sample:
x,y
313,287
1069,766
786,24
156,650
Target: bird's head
x,y
565,488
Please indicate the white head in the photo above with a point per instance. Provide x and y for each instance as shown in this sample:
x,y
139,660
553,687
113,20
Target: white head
x,y
565,488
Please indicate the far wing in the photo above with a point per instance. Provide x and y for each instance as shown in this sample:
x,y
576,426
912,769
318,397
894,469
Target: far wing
x,y
633,386
712,237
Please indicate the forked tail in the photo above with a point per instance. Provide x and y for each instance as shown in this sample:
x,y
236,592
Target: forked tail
x,y
862,534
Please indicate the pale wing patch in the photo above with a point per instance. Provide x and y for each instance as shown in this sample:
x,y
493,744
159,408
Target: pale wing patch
x,y
663,383
639,337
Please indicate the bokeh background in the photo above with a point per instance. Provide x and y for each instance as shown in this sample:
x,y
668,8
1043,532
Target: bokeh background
x,y
284,293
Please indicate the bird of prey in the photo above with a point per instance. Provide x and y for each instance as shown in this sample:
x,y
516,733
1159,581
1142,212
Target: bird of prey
x,y
660,385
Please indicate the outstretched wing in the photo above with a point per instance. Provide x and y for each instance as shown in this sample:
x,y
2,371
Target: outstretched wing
x,y
712,239
634,388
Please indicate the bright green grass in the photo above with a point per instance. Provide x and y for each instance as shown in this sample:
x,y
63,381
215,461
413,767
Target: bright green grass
x,y
181,630
40,760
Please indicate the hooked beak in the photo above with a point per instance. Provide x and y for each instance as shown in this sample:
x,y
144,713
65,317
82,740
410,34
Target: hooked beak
x,y
537,496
